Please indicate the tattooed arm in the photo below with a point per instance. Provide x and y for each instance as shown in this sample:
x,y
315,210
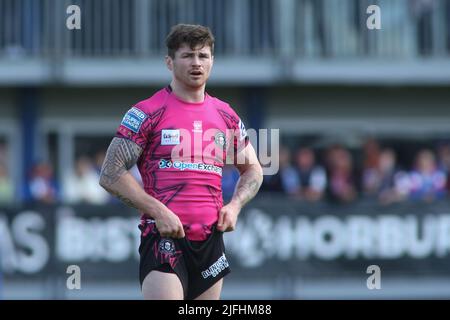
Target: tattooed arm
x,y
122,154
251,177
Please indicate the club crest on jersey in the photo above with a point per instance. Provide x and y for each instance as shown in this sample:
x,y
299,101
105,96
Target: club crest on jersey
x,y
166,246
170,137
133,119
197,126
220,139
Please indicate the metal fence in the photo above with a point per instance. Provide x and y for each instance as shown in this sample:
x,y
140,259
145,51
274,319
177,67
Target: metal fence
x,y
276,28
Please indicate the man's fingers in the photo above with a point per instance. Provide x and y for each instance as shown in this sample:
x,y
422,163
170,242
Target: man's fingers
x,y
181,232
221,218
175,233
227,224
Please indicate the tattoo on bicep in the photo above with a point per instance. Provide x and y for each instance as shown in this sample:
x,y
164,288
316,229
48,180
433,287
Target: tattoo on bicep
x,y
122,154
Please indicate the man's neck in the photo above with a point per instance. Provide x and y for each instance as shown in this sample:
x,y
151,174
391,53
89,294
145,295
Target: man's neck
x,y
188,94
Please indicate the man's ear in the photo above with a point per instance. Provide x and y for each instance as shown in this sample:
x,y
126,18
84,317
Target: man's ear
x,y
169,63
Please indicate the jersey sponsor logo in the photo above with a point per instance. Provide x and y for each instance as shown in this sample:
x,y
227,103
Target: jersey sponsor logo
x,y
197,126
133,119
170,137
181,165
242,131
216,268
165,164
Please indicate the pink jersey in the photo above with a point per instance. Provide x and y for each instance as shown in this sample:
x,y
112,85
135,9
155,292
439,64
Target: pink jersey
x,y
184,150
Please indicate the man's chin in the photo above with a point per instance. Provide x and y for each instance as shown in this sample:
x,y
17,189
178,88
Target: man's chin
x,y
196,84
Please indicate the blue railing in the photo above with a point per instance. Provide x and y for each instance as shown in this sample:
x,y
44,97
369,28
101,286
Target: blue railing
x,y
280,29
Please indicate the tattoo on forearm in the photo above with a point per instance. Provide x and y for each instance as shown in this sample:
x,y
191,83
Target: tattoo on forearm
x,y
247,187
122,154
125,200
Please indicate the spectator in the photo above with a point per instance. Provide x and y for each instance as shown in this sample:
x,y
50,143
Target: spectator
x,y
82,185
230,176
341,185
286,179
99,157
6,187
427,181
443,153
371,173
3,152
393,184
42,184
312,177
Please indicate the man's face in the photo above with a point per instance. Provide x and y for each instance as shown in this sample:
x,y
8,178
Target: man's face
x,y
191,67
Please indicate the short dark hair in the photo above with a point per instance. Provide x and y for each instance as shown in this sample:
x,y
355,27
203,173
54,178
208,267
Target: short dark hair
x,y
192,35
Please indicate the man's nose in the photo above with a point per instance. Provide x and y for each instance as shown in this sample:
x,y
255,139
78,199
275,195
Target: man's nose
x,y
196,61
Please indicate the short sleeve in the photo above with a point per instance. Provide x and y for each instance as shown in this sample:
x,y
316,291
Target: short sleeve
x,y
239,135
135,126
242,138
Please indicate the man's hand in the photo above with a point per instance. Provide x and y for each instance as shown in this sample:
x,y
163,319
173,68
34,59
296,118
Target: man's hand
x,y
228,217
169,225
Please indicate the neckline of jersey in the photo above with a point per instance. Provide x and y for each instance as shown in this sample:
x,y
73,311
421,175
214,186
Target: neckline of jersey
x,y
185,103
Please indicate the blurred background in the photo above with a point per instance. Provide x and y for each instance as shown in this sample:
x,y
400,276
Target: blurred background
x,y
364,120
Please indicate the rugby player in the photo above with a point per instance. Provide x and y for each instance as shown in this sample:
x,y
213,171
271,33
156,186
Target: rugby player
x,y
180,138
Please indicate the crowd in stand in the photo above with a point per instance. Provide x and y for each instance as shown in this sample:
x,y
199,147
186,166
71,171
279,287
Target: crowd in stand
x,y
378,176
333,174
80,185
6,185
